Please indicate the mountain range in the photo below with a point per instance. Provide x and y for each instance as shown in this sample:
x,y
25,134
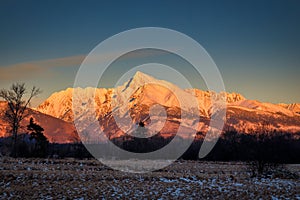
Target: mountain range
x,y
136,97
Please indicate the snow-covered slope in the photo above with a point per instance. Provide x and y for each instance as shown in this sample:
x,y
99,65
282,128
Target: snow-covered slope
x,y
59,104
295,107
146,90
263,107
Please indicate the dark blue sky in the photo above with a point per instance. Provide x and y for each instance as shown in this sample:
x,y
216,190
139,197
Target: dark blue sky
x,y
255,44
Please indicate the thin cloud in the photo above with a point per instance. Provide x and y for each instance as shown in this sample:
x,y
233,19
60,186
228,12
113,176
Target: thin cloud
x,y
30,69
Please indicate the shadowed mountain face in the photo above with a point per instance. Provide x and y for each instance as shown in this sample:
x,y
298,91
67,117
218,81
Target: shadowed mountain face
x,y
56,130
137,96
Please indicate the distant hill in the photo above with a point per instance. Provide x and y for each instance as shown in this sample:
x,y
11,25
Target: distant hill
x,y
56,130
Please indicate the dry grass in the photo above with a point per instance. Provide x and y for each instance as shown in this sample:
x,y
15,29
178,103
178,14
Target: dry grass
x,y
89,179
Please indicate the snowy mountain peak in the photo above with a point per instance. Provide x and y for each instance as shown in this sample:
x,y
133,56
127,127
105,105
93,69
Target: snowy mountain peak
x,y
140,79
142,76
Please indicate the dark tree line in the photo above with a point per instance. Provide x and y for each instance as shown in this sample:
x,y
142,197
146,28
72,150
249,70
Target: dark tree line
x,y
272,147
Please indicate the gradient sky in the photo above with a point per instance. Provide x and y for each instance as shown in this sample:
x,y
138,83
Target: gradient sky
x,y
255,44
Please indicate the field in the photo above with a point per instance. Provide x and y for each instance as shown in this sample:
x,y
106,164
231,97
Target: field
x,y
89,179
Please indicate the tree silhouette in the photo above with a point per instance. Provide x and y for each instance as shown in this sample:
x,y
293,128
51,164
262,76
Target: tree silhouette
x,y
16,107
41,142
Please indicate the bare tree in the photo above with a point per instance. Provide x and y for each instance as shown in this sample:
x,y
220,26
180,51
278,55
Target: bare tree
x,y
17,105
